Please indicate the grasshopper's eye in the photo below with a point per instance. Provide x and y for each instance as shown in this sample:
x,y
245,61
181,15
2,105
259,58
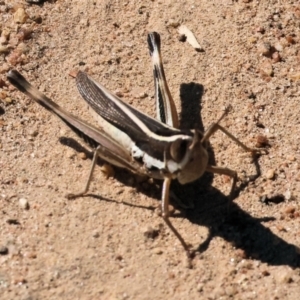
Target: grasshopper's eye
x,y
178,149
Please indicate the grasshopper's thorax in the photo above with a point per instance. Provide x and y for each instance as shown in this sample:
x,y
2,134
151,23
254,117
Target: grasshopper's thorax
x,y
187,159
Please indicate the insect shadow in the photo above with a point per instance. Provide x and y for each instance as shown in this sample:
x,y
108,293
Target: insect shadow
x,y
212,208
222,217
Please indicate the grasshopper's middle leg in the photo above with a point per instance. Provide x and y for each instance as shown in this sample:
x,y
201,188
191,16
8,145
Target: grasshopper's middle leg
x,y
90,177
165,214
225,171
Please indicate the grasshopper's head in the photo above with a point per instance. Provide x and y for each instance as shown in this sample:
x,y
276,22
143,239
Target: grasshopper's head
x,y
191,158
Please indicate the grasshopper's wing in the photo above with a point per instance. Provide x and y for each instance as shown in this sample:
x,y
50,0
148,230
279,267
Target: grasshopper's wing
x,y
109,150
134,123
165,106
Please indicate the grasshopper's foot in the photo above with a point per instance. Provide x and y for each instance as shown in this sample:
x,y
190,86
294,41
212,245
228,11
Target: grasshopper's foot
x,y
190,256
258,152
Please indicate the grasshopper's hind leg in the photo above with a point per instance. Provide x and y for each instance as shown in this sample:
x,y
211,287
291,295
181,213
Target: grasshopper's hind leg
x,y
165,106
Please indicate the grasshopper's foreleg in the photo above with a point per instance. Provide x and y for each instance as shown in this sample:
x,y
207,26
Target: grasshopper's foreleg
x,y
221,170
216,126
225,171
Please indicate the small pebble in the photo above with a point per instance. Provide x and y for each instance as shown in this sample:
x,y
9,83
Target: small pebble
x,y
14,57
142,95
283,276
73,73
280,228
24,34
261,141
291,157
265,273
20,16
82,155
241,254
119,257
289,210
3,94
290,39
295,76
108,170
3,250
270,174
118,93
264,49
266,68
200,287
158,211
297,12
19,281
171,209
288,195
173,23
47,224
3,40
138,93
8,100
24,203
96,234
278,47
4,68
5,32
33,133
231,291
252,40
260,30
70,153
4,49
157,251
22,47
30,255
182,38
276,57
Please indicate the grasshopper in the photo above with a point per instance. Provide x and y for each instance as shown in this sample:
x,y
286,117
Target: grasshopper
x,y
135,141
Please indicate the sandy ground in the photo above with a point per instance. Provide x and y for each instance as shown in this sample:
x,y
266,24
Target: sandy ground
x,y
98,247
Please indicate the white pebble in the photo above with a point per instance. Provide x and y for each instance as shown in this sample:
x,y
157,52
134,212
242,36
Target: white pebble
x,y
23,203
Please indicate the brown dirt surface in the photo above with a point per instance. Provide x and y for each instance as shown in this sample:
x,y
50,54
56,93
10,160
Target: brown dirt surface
x,y
113,244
